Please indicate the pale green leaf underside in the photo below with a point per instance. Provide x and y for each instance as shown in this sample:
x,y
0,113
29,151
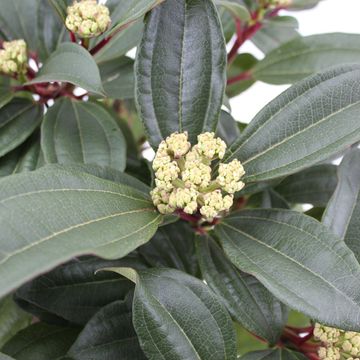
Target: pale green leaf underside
x,y
50,215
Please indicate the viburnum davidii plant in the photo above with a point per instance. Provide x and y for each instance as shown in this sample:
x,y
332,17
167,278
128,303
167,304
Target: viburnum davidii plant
x,y
139,220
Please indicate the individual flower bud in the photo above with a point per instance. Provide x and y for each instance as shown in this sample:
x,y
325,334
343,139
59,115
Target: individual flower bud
x,y
166,174
210,147
87,18
13,57
196,173
178,144
214,203
184,199
230,175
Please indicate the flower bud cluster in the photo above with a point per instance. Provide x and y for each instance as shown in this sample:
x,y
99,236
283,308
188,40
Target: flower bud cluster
x,y
87,18
13,57
183,176
337,344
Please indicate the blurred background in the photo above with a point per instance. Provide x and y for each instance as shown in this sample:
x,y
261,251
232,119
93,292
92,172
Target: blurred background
x,y
329,16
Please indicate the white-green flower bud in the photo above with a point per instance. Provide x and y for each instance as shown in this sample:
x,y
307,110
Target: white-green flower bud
x,y
166,174
178,144
196,173
330,353
185,199
160,199
13,57
230,175
210,147
87,18
214,203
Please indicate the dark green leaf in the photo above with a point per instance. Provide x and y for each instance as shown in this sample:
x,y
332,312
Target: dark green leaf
x,y
60,7
5,96
82,132
24,158
180,69
249,302
342,215
127,11
109,335
314,185
121,43
301,262
241,64
302,57
71,63
228,23
12,319
18,20
78,213
173,247
18,120
302,4
309,122
268,199
274,354
227,128
118,78
41,342
73,292
167,306
275,32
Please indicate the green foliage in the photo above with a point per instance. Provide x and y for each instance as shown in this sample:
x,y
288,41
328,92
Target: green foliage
x,y
90,270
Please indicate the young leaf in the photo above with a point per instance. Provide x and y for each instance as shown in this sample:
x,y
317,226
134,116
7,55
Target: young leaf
x,y
304,56
71,63
309,122
74,292
12,319
314,185
18,120
342,214
79,132
249,302
109,335
177,314
274,354
79,213
180,69
41,342
301,262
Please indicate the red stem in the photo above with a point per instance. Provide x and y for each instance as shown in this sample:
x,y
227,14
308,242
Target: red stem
x,y
72,37
246,75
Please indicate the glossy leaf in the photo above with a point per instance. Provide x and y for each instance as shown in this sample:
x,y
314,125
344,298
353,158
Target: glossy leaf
x,y
302,57
41,342
174,92
118,78
274,354
342,214
314,119
301,262
275,32
237,10
169,303
12,319
248,302
173,247
79,132
74,292
71,63
18,120
109,335
79,213
314,185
